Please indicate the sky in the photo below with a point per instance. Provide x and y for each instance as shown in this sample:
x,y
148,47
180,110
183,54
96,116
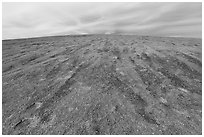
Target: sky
x,y
25,20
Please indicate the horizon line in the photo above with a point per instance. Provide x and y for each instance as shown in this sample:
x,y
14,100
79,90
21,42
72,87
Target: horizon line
x,y
96,34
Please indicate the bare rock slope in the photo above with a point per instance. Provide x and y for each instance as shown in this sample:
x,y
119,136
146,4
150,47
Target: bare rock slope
x,y
102,84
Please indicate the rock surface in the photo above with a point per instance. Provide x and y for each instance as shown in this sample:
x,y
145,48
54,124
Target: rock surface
x,y
102,84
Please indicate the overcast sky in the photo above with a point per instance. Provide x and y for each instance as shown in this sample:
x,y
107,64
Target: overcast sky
x,y
22,20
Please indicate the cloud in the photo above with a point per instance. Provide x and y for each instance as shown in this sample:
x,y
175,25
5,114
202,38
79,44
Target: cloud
x,y
155,19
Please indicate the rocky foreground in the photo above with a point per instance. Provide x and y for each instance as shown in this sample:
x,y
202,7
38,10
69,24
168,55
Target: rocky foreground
x,y
102,84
